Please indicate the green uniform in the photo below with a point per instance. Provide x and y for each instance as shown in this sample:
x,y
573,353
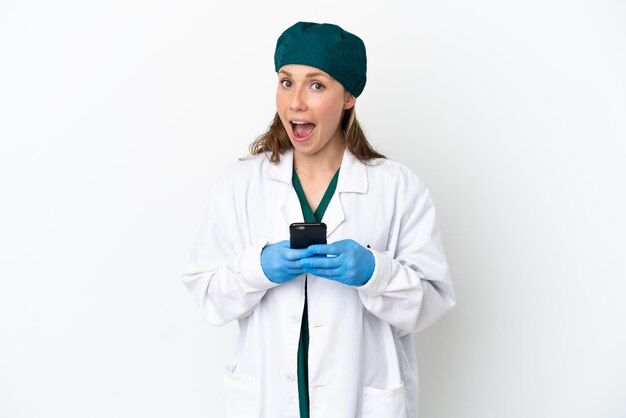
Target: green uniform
x,y
303,347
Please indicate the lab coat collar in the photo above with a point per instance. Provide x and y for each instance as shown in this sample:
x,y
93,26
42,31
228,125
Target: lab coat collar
x,y
352,178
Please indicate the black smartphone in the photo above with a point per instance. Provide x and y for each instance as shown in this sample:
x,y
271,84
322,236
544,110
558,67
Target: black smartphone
x,y
303,234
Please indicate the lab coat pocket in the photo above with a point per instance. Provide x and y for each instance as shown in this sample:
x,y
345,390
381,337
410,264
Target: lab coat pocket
x,y
241,399
383,403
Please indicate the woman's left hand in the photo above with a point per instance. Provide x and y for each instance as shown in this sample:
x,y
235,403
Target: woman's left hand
x,y
349,262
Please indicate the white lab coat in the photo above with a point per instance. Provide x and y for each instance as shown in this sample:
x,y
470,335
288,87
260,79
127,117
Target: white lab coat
x,y
361,357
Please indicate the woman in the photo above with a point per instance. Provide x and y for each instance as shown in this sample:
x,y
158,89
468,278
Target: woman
x,y
325,331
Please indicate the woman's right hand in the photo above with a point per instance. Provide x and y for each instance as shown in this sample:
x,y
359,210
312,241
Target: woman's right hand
x,y
281,263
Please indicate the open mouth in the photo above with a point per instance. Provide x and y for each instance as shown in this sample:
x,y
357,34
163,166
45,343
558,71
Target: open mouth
x,y
302,130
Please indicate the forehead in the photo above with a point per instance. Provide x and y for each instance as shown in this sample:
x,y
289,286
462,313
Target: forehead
x,y
302,71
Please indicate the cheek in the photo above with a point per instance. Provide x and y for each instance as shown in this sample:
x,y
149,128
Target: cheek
x,y
279,100
332,116
331,111
281,107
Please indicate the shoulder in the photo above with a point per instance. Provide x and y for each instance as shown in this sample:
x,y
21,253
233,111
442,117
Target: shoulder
x,y
249,163
244,168
391,172
253,174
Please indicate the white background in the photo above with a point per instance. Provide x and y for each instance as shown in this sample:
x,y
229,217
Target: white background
x,y
115,117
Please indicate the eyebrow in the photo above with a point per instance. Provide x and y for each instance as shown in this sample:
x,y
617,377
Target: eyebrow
x,y
309,75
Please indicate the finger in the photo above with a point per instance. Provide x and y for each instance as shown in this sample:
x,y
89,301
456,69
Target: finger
x,y
294,253
293,265
323,249
287,271
320,262
326,273
297,272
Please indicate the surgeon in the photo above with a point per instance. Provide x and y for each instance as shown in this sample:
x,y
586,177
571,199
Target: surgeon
x,y
324,331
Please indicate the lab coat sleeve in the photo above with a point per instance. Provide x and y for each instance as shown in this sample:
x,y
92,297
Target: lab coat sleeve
x,y
224,274
412,288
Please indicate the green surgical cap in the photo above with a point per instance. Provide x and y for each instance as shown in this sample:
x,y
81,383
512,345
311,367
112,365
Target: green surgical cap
x,y
327,47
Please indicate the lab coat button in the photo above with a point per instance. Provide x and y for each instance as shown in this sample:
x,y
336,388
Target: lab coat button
x,y
291,377
295,317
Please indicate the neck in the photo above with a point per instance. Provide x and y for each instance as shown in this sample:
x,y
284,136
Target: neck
x,y
322,164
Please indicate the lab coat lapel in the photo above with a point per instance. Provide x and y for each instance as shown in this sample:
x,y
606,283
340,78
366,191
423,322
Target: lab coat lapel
x,y
334,215
352,179
290,210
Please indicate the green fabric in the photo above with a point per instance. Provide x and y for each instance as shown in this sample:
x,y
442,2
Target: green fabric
x,y
303,346
328,47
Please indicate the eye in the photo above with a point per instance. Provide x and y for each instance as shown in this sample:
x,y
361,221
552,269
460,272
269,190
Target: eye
x,y
320,86
285,82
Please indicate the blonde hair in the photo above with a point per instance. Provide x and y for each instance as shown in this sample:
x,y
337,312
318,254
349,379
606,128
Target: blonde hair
x,y
276,139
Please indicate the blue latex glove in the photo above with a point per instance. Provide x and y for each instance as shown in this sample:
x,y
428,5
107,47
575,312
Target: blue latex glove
x,y
280,262
350,263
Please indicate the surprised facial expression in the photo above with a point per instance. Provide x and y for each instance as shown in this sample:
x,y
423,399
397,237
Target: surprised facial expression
x,y
310,104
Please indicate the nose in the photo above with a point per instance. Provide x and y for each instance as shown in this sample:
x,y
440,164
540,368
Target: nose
x,y
298,100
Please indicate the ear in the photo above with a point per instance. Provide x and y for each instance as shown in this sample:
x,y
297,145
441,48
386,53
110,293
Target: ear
x,y
349,100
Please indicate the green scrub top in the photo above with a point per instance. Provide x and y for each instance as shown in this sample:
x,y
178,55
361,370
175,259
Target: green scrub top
x,y
303,346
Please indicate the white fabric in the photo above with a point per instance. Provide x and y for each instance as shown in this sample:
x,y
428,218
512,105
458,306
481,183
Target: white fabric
x,y
361,357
